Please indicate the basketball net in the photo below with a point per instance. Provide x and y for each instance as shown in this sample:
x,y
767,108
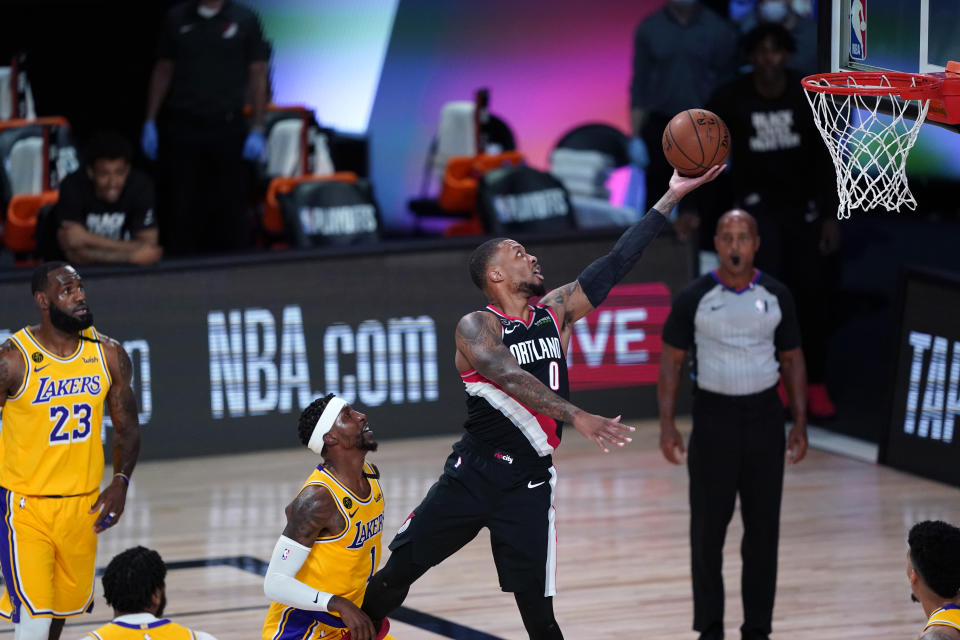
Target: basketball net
x,y
869,150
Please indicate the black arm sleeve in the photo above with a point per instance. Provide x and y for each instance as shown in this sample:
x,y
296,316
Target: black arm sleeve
x,y
598,278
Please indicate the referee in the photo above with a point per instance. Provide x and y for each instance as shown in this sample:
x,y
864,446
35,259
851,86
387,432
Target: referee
x,y
738,322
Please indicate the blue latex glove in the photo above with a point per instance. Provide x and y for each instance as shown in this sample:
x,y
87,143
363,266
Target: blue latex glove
x,y
149,140
254,147
637,150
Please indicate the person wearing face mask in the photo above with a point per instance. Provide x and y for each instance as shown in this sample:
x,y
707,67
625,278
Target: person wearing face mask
x,y
681,54
742,329
794,18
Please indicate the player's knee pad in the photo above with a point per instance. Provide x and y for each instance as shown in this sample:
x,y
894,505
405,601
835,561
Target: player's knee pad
x,y
537,614
31,628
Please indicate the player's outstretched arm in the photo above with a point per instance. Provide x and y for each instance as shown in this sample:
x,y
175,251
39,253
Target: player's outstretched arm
x,y
126,434
575,300
312,513
11,370
479,342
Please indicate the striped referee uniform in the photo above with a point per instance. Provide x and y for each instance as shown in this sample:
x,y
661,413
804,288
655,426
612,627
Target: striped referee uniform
x,y
737,445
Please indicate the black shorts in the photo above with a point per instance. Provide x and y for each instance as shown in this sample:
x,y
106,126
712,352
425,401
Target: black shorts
x,y
486,487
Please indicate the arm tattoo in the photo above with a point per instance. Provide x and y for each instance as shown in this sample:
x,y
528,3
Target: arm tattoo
x,y
311,513
9,380
123,412
666,204
478,339
562,298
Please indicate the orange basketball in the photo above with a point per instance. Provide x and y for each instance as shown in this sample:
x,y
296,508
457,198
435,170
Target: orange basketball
x,y
695,140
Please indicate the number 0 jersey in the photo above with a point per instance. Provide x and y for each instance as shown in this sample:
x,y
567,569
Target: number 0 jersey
x,y
498,419
50,441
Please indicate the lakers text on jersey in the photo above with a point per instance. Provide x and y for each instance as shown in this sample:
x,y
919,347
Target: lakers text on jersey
x,y
339,564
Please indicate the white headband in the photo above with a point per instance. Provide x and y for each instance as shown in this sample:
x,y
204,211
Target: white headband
x,y
325,423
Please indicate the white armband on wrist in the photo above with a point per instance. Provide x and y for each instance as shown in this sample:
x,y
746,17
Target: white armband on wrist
x,y
281,583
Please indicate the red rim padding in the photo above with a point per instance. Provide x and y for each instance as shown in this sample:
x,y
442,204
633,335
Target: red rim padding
x,y
912,86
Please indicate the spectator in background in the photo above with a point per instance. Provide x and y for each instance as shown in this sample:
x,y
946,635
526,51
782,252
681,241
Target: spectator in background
x,y
781,173
800,25
681,54
105,211
212,57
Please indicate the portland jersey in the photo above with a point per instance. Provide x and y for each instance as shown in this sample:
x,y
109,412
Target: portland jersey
x,y
498,419
948,616
342,563
157,630
50,441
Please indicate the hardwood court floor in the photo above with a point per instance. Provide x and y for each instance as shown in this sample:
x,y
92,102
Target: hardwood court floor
x,y
623,547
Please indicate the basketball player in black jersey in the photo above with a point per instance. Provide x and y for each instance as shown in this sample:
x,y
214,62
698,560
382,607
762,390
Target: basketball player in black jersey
x,y
511,356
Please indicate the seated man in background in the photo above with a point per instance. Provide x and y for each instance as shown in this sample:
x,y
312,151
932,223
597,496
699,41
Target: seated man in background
x,y
106,209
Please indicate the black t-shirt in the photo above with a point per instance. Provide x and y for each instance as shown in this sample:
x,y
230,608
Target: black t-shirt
x,y
120,220
211,57
776,149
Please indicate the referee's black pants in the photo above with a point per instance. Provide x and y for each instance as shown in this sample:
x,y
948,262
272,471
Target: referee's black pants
x,y
736,447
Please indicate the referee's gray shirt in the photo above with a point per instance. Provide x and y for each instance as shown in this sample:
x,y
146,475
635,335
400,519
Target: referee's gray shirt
x,y
736,333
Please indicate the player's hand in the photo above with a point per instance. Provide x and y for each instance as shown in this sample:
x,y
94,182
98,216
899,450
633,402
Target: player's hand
x,y
359,624
796,444
671,444
602,430
682,185
110,505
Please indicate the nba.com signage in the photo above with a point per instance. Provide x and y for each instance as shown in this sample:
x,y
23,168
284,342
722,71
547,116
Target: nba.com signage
x,y
922,437
226,357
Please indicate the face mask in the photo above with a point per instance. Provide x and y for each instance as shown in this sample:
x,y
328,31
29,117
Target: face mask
x,y
773,11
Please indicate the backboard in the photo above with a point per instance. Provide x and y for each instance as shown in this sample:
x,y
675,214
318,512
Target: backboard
x,y
914,36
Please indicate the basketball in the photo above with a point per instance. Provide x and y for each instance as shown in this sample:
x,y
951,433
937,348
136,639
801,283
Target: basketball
x,y
695,140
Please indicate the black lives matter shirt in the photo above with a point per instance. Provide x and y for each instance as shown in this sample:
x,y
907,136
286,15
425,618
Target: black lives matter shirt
x,y
120,220
776,150
498,419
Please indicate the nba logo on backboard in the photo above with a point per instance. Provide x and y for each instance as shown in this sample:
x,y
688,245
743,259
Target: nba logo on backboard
x,y
858,29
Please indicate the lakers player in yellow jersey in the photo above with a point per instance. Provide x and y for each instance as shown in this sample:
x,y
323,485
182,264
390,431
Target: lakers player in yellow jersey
x,y
133,584
331,545
55,379
933,568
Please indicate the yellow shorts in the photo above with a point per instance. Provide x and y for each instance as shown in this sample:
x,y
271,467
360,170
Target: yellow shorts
x,y
287,623
48,553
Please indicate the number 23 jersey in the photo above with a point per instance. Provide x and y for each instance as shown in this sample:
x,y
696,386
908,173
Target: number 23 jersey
x,y
50,441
